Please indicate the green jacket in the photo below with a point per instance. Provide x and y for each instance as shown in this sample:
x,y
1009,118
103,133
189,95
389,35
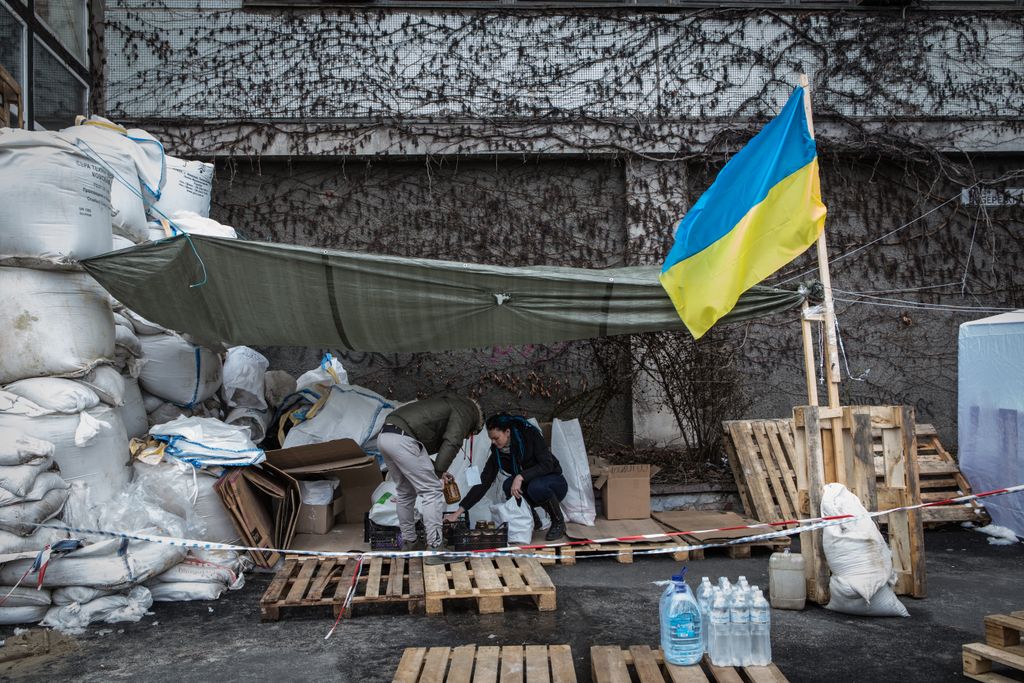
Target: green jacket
x,y
441,423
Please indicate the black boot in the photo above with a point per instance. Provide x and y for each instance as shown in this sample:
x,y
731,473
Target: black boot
x,y
536,519
554,511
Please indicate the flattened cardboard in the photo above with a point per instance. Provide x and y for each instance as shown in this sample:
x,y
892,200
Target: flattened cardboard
x,y
626,491
263,503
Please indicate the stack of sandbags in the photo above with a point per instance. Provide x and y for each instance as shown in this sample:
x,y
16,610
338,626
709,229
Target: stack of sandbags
x,y
202,575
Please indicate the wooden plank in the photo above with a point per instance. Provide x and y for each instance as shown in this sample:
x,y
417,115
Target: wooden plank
x,y
301,583
510,574
373,577
460,578
538,669
753,472
461,668
341,590
487,659
815,566
1003,630
770,466
416,586
862,458
409,668
512,664
722,674
534,574
737,470
951,513
685,674
915,525
485,576
435,665
323,576
781,439
982,651
645,665
280,580
562,668
764,674
607,665
396,577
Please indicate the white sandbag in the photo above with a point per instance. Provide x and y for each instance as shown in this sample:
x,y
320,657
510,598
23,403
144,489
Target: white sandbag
x,y
54,200
195,570
41,485
110,565
13,543
24,596
516,513
56,394
17,448
141,325
60,324
277,384
330,372
121,242
185,591
22,615
16,405
82,594
188,187
256,421
884,603
101,462
166,412
112,609
108,384
568,447
855,550
351,412
244,369
126,342
191,223
177,370
18,480
21,518
132,411
137,165
203,441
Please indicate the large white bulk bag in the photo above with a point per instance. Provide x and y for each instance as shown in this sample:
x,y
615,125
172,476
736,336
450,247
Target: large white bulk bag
x,y
351,412
136,162
177,370
54,200
132,412
55,323
101,462
188,188
568,447
244,369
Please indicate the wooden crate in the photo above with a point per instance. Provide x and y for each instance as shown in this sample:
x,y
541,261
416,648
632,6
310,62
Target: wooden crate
x,y
472,664
613,664
318,582
488,581
624,552
1002,646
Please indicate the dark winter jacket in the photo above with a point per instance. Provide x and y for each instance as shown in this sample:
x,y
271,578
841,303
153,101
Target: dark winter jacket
x,y
441,423
536,460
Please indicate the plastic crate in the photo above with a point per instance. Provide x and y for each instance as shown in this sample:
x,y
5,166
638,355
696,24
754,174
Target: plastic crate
x,y
464,538
381,537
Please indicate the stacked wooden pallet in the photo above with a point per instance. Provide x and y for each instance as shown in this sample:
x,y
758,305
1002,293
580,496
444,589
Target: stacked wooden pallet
x,y
488,582
612,664
941,479
1002,646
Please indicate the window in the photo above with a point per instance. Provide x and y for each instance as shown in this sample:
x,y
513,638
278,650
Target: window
x,y
57,94
67,20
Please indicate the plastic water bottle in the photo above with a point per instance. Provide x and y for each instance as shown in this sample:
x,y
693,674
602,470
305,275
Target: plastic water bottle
x,y
742,584
682,640
760,630
739,630
718,635
705,592
723,583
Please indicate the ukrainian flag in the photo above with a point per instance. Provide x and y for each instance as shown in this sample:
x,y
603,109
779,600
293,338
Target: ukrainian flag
x,y
763,210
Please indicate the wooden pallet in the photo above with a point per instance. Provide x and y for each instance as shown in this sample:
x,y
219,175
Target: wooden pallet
x,y
612,664
624,552
320,582
1002,646
488,581
688,520
472,664
740,552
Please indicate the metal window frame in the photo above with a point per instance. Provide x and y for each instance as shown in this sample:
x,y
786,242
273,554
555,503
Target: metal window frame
x,y
83,7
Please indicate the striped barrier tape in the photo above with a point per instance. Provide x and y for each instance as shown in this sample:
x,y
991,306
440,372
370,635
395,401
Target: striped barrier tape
x,y
801,526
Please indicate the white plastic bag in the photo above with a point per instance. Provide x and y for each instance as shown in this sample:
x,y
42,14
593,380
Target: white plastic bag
x,y
111,609
383,510
244,369
203,441
54,200
56,394
187,188
177,370
520,522
191,223
318,491
60,324
568,447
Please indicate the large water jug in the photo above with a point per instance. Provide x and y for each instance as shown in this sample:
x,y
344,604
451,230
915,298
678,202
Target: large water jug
x,y
682,640
760,630
718,633
787,585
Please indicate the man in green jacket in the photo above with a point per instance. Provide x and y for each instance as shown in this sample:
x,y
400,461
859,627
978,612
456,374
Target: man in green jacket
x,y
438,424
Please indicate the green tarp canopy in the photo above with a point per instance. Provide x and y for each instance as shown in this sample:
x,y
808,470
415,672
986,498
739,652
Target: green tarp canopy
x,y
264,294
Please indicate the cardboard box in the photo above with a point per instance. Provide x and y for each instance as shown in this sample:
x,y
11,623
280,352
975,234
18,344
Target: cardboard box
x,y
341,459
319,519
626,491
264,504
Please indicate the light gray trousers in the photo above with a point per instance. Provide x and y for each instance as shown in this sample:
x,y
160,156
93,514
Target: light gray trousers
x,y
410,467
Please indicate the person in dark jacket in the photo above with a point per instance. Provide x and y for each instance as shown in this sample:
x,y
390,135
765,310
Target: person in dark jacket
x,y
438,424
519,451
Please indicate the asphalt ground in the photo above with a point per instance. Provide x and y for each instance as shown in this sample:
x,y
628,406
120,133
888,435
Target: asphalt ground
x,y
600,602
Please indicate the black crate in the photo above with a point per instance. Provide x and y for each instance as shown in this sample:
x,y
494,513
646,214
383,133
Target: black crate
x,y
464,538
381,537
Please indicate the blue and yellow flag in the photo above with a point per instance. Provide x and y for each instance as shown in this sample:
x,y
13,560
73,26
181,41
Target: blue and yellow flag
x,y
763,210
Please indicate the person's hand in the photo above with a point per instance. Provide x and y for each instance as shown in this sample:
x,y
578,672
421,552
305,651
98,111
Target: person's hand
x,y
447,477
454,516
517,487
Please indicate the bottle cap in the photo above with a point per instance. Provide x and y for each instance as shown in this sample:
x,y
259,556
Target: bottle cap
x,y
681,576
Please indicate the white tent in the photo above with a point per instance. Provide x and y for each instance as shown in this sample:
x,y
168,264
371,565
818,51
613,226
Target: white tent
x,y
991,412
